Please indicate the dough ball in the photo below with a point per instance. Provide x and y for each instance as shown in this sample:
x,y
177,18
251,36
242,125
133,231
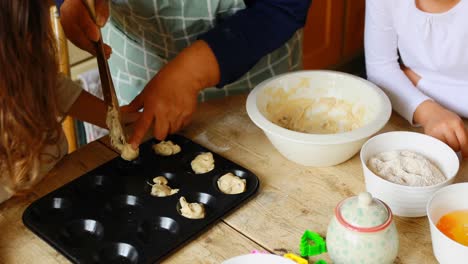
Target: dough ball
x,y
161,189
191,210
161,180
166,148
231,184
128,153
203,163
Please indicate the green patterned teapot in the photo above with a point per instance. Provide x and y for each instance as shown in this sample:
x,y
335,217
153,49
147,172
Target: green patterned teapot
x,y
362,231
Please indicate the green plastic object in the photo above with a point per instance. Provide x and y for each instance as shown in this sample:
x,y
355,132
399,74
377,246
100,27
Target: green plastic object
x,y
312,244
321,262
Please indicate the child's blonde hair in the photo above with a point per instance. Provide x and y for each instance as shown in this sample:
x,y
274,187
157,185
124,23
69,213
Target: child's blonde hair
x,y
28,100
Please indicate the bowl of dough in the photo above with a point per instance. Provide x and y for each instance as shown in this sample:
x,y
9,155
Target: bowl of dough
x,y
404,169
318,118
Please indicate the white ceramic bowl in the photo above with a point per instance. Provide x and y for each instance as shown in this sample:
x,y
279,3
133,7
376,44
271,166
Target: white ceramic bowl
x,y
320,150
446,200
404,200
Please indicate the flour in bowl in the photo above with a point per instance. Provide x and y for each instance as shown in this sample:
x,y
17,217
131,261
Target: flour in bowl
x,y
406,168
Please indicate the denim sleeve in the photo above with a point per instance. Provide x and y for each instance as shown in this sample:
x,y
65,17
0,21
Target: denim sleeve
x,y
243,39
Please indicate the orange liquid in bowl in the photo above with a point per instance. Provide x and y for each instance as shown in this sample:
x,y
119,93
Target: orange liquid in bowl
x,y
455,226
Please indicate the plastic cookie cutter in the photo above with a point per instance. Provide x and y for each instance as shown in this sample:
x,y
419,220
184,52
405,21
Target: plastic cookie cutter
x,y
296,258
321,262
312,244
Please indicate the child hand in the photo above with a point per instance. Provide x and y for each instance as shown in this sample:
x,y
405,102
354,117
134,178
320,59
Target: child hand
x,y
80,28
443,125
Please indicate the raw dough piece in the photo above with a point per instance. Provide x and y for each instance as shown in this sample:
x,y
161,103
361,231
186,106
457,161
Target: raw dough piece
x,y
231,184
117,136
160,188
128,153
203,163
406,168
166,148
191,210
325,115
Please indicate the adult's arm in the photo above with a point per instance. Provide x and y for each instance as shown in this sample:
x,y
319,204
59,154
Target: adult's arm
x,y
382,63
240,41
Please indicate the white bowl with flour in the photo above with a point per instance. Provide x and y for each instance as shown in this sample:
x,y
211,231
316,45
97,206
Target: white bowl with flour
x,y
403,200
318,118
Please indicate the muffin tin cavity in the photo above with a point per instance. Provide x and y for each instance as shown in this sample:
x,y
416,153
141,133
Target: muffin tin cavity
x,y
82,232
170,176
121,253
97,183
108,215
128,165
188,163
59,204
153,230
125,206
208,201
173,182
241,173
52,208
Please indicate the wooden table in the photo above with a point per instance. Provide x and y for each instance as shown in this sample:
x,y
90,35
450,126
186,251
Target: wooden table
x,y
291,199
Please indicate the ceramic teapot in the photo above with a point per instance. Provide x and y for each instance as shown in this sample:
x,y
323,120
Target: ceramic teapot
x,y
362,231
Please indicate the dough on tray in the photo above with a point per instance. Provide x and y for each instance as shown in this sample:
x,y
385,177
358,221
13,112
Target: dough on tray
x,y
231,184
161,189
203,163
128,153
191,210
166,148
117,136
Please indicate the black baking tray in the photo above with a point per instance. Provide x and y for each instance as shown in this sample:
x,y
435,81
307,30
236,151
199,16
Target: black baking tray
x,y
108,215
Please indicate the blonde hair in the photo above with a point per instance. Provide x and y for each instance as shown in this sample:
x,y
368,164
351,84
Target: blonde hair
x,y
28,99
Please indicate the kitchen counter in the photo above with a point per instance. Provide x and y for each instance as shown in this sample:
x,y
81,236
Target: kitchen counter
x,y
291,199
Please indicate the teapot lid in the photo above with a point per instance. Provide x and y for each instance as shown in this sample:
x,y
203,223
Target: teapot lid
x,y
363,213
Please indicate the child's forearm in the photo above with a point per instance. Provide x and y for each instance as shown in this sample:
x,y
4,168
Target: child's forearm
x,y
89,108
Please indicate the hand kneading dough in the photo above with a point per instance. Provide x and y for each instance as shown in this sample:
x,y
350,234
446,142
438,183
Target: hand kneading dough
x,y
231,184
117,136
166,148
191,210
160,188
203,163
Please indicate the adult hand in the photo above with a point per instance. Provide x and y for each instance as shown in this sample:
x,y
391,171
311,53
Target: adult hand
x,y
128,116
79,26
170,98
168,101
443,124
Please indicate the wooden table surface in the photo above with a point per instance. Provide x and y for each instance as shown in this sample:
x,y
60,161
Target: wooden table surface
x,y
291,199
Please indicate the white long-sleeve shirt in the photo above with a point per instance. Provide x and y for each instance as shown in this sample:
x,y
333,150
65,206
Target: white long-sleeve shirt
x,y
435,46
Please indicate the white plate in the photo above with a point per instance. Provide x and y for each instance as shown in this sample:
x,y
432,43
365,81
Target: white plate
x,y
259,259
